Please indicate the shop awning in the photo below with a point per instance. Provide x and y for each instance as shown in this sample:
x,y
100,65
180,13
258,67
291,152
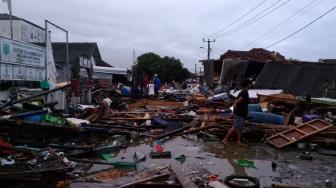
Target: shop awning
x,y
107,72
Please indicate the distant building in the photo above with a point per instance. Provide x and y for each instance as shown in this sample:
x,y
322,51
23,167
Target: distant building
x,y
330,61
255,54
23,30
86,50
238,65
299,79
83,56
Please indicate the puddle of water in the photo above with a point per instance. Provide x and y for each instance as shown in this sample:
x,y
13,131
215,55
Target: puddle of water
x,y
212,157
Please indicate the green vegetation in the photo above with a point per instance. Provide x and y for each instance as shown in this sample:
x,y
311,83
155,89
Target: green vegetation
x,y
168,68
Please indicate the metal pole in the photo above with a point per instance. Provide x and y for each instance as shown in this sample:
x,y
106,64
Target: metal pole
x,y
10,17
209,49
195,68
67,56
46,51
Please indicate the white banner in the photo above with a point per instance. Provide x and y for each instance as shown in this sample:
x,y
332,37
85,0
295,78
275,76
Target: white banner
x,y
12,51
6,72
40,74
19,72
31,73
21,61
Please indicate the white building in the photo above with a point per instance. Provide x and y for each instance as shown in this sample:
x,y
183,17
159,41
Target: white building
x,y
23,30
17,67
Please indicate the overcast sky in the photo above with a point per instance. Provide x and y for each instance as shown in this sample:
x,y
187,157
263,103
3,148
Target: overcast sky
x,y
176,27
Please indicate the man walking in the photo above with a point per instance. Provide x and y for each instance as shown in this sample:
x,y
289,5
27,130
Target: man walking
x,y
240,110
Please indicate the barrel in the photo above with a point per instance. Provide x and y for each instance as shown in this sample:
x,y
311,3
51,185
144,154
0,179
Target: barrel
x,y
263,117
254,108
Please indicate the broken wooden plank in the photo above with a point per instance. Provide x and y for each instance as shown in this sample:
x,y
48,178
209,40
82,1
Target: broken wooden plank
x,y
191,124
153,178
298,133
181,175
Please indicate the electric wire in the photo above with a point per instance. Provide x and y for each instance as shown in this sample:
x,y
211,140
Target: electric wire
x,y
238,19
255,16
252,21
302,28
285,23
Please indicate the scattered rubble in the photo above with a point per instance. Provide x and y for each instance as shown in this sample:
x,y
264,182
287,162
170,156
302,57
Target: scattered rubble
x,y
41,144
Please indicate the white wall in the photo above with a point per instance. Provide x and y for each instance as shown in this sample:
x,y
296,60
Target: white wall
x,y
93,61
22,31
5,29
31,33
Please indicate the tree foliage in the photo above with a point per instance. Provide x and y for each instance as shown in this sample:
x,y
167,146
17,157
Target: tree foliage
x,y
168,68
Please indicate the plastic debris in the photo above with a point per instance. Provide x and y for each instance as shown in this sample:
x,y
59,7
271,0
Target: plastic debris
x,y
8,161
138,156
181,158
245,163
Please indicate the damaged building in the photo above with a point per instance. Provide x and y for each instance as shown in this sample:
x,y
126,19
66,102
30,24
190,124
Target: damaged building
x,y
271,70
238,64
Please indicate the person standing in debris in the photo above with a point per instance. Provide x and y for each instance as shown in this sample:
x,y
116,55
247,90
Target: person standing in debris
x,y
240,110
145,85
157,85
184,85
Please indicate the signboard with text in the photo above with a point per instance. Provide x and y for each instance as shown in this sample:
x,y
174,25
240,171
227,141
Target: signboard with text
x,y
21,61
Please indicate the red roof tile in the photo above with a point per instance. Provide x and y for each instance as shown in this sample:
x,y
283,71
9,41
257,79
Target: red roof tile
x,y
255,54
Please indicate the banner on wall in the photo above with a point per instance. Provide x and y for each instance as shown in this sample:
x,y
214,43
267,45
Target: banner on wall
x,y
21,61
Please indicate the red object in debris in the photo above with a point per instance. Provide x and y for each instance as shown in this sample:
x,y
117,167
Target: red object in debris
x,y
159,148
75,87
89,84
212,178
6,145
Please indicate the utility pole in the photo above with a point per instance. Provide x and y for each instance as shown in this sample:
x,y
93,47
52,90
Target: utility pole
x,y
209,48
134,58
195,68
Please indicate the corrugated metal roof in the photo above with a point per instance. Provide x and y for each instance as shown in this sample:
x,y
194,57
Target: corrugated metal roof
x,y
76,49
299,79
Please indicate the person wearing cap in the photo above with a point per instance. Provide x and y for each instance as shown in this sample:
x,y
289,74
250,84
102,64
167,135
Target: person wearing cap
x,y
157,84
240,111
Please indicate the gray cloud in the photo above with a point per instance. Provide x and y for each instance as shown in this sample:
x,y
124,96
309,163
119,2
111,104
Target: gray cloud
x,y
176,27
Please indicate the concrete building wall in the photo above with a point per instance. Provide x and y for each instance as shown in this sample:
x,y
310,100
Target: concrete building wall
x,y
22,30
31,33
5,29
209,72
93,61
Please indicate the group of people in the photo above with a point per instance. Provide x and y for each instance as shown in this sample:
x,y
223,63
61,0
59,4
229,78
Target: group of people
x,y
151,87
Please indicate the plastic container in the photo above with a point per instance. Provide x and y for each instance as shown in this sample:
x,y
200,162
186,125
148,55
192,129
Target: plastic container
x,y
254,108
53,119
35,118
44,84
156,155
263,117
306,118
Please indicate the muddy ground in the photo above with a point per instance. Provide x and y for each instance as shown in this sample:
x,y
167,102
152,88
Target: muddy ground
x,y
211,156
